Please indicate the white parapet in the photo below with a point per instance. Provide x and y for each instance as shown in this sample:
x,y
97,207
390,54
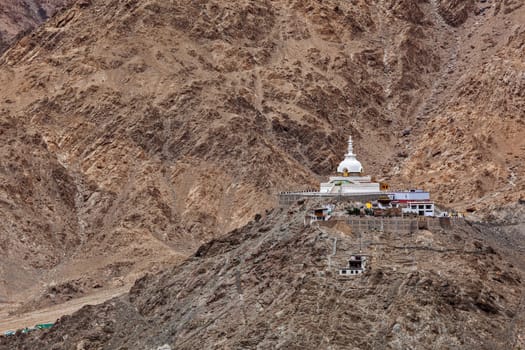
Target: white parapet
x,y
349,185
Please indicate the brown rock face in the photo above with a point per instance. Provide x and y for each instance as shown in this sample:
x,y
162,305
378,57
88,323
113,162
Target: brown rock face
x,y
37,205
18,17
164,124
456,12
473,145
274,284
177,122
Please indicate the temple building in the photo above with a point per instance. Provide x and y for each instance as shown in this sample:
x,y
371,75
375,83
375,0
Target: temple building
x,y
350,178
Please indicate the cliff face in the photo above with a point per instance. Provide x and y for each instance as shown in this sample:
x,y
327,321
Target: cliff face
x,y
166,124
37,204
274,284
471,149
18,17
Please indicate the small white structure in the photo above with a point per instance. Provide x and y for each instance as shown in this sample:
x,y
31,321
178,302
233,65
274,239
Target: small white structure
x,y
356,266
319,214
411,195
350,179
413,202
421,208
350,164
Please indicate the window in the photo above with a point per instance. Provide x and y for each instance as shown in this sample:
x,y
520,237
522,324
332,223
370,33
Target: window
x,y
429,206
421,206
355,264
414,206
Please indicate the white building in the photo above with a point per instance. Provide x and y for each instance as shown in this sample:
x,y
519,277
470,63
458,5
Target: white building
x,y
319,214
356,266
421,208
350,179
410,195
414,201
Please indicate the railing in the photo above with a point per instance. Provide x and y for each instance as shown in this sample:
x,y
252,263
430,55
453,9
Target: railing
x,y
287,198
401,225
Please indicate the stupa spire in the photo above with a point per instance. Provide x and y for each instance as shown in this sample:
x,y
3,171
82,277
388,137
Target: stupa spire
x,y
350,165
350,146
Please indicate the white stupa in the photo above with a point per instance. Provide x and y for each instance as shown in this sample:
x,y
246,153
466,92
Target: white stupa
x,y
350,178
350,165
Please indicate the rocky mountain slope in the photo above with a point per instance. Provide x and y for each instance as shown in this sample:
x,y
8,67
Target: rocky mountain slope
x,y
274,285
21,16
156,126
471,149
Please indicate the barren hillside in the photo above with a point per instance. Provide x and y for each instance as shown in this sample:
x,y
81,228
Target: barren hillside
x,y
18,17
274,285
138,130
470,149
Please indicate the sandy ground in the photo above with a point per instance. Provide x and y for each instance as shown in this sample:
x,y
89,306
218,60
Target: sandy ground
x,y
51,314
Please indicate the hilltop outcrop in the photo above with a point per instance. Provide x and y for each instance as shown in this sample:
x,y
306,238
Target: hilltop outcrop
x,y
274,284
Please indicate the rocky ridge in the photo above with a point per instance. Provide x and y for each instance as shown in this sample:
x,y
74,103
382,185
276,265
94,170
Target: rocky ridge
x,y
21,16
273,284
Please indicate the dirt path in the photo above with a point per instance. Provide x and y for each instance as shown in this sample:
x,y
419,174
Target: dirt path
x,y
51,314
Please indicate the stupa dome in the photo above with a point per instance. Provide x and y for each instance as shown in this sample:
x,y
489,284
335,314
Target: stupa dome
x,y
350,164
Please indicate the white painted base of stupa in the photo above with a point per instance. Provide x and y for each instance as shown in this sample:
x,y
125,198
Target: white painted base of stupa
x,y
350,185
